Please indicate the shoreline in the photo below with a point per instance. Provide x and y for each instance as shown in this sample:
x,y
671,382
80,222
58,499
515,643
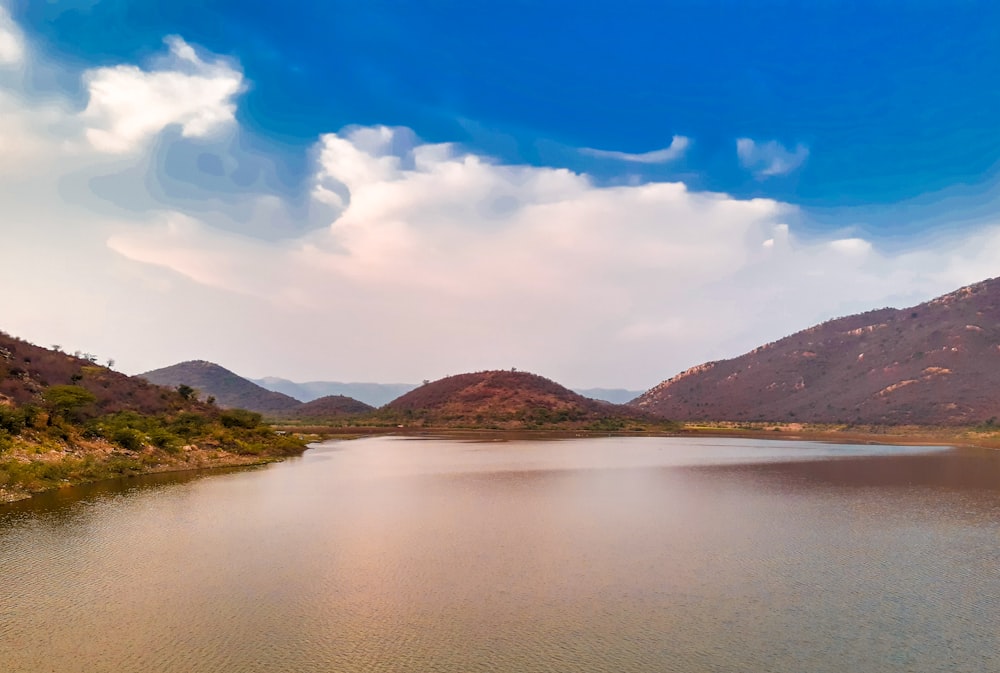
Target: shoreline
x,y
193,460
963,437
205,461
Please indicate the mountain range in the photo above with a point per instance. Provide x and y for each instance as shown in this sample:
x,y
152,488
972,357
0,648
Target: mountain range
x,y
937,363
379,394
374,394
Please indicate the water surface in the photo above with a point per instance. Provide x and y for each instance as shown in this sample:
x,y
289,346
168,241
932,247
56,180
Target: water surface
x,y
633,554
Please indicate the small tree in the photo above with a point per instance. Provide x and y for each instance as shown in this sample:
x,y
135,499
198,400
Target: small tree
x,y
67,401
186,391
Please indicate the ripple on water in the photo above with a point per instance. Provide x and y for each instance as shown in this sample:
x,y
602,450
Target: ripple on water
x,y
623,555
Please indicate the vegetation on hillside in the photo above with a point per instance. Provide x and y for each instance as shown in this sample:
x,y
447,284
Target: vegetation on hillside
x,y
66,420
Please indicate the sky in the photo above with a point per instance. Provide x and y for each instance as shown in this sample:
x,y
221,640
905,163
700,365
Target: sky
x,y
601,193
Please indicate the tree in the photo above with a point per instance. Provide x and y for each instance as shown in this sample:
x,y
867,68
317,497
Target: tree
x,y
186,391
67,401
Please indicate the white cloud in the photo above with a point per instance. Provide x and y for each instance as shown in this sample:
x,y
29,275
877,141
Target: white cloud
x,y
678,146
768,159
12,48
445,261
128,105
435,261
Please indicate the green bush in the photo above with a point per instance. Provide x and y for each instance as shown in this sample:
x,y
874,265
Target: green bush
x,y
240,418
188,425
12,420
128,438
163,439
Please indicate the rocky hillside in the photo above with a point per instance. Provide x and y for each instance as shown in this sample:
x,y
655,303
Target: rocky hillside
x,y
506,399
937,363
27,371
229,390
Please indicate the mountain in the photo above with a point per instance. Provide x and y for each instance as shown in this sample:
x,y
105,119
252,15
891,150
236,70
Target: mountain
x,y
375,394
331,406
27,371
229,390
613,395
937,363
506,399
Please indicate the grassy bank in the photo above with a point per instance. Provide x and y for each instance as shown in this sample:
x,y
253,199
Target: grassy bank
x,y
40,451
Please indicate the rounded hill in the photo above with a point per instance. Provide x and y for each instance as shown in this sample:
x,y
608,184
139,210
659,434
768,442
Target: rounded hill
x,y
330,406
503,399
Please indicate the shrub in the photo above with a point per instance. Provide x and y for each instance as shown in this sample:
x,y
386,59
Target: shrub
x,y
12,420
128,438
188,425
240,418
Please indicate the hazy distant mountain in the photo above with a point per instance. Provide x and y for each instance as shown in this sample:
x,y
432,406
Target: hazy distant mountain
x,y
375,394
935,363
613,395
507,399
228,389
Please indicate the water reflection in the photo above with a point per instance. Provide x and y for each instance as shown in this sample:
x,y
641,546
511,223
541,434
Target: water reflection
x,y
588,555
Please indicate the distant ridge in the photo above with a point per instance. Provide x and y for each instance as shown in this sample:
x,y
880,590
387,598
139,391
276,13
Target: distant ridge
x,y
937,363
613,395
375,394
229,390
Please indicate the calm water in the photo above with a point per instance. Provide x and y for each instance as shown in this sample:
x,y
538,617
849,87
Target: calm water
x,y
636,554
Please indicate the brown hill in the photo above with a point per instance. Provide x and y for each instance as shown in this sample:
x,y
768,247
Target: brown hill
x,y
935,363
229,390
331,406
65,419
27,371
507,399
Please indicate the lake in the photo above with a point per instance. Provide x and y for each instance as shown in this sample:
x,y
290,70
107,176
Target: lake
x,y
598,554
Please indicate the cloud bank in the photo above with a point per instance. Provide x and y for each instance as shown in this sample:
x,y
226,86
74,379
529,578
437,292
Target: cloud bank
x,y
433,260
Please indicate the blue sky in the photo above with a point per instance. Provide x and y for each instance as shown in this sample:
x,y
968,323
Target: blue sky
x,y
893,100
869,128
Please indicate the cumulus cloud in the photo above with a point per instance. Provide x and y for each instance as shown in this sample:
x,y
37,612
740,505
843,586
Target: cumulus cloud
x,y
678,146
127,105
433,260
470,263
771,158
12,49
